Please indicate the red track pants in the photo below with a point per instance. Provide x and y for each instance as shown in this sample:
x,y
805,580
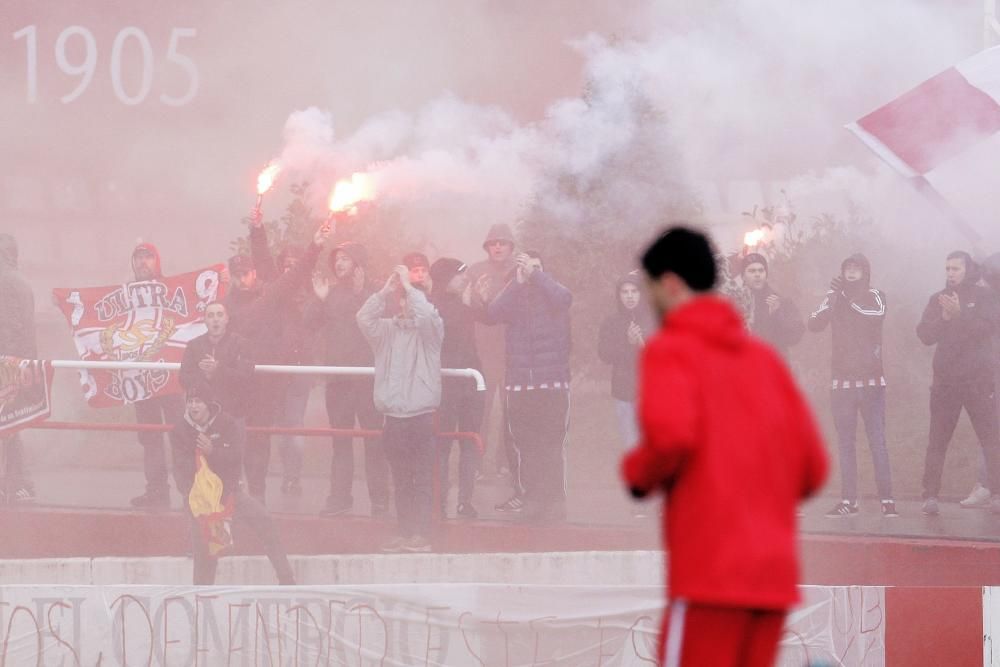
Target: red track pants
x,y
697,635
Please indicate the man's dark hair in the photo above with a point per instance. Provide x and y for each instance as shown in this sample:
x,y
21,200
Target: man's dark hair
x,y
685,252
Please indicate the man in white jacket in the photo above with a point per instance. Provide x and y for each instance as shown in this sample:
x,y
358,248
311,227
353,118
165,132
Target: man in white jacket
x,y
407,350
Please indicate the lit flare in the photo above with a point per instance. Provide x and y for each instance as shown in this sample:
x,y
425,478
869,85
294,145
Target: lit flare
x,y
348,193
753,239
267,177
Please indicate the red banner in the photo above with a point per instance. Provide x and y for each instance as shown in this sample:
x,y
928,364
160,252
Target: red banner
x,y
149,320
25,393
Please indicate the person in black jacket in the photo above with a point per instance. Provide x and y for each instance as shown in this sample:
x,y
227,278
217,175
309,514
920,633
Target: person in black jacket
x,y
461,405
772,317
164,409
855,311
535,308
960,320
257,311
221,359
349,400
219,437
17,339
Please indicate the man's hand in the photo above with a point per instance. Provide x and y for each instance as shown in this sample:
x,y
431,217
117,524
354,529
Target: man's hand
x,y
773,303
204,443
525,266
323,233
321,286
358,278
951,307
837,285
256,218
635,334
404,276
390,284
208,366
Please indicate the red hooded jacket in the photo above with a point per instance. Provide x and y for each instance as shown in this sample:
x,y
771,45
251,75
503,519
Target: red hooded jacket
x,y
728,437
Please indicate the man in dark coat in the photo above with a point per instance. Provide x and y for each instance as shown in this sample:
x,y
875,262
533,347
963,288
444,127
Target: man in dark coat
x,y
461,405
961,320
17,339
772,317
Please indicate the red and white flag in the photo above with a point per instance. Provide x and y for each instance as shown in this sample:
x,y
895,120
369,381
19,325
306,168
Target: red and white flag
x,y
150,320
943,136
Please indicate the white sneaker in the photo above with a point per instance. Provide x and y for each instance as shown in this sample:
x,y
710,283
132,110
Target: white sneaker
x,y
979,497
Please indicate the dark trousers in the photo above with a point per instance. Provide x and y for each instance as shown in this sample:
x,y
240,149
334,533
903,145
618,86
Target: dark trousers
x,y
293,413
257,452
494,377
461,411
538,420
846,405
159,410
947,402
410,448
350,402
248,516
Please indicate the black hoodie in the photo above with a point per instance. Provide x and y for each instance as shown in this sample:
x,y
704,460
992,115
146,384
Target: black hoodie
x,y
459,347
613,346
226,459
856,314
964,344
17,305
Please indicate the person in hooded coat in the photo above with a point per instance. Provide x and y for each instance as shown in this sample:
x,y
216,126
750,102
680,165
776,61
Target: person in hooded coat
x,y
773,317
729,440
855,311
162,409
960,321
17,339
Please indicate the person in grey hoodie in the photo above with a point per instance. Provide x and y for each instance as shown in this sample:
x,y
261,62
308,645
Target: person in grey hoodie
x,y
17,339
407,350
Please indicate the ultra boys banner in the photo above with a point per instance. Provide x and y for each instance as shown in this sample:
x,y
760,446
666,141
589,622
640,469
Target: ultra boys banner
x,y
25,393
149,320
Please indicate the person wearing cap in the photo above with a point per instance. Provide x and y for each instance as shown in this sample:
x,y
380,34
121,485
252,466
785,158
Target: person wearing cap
x,y
729,441
407,350
207,429
619,341
855,311
960,322
772,317
487,278
297,346
350,400
257,311
536,309
461,405
17,339
160,409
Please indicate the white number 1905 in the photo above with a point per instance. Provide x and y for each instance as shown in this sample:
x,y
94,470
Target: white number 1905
x,y
130,42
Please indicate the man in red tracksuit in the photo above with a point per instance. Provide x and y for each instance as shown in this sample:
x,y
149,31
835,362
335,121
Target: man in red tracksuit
x,y
728,438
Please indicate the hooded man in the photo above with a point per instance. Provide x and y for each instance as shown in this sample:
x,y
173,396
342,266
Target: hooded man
x,y
17,339
772,317
961,320
728,439
259,312
208,433
461,405
535,308
855,311
163,409
488,278
349,400
407,351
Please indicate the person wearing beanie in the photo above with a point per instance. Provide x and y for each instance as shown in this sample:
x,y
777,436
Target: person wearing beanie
x,y
855,312
487,279
407,349
208,433
145,264
772,317
461,405
728,439
17,339
619,341
536,309
349,400
260,312
960,321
